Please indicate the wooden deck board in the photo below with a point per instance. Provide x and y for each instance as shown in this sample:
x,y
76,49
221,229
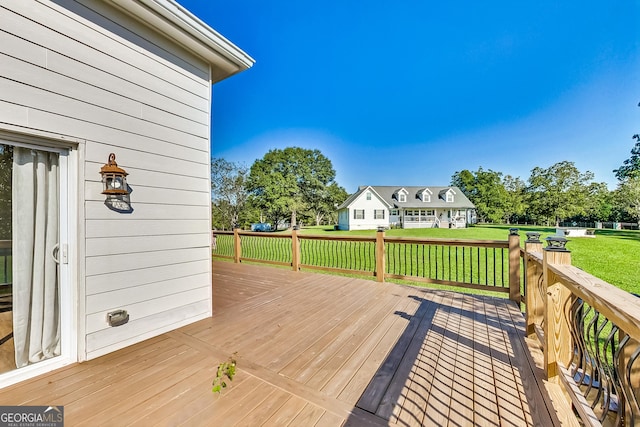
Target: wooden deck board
x,y
484,397
313,350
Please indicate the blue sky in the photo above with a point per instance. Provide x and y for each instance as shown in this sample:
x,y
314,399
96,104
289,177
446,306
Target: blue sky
x,y
409,92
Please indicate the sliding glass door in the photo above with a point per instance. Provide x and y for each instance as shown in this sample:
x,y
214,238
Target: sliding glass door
x,y
32,254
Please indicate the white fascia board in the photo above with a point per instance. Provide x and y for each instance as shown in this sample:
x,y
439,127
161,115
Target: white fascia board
x,y
177,23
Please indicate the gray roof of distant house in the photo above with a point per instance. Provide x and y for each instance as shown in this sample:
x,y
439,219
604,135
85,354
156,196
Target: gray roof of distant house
x,y
388,194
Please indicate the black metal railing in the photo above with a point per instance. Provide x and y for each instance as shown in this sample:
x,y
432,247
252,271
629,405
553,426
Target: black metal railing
x,y
472,263
222,244
348,254
269,248
598,367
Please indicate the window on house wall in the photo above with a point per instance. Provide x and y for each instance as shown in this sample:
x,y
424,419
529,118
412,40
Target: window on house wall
x,y
449,197
378,214
368,196
402,198
358,214
393,212
430,212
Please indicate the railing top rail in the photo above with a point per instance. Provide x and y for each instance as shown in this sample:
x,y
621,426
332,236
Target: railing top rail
x,y
257,233
533,256
222,232
265,234
341,238
450,242
617,305
388,239
5,244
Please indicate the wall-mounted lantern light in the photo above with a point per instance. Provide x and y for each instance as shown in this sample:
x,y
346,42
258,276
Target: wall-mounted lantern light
x,y
114,178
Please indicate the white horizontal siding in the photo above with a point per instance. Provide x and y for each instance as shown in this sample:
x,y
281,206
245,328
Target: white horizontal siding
x,y
91,73
149,211
139,329
149,153
109,301
131,245
139,310
157,178
113,281
132,262
100,97
368,206
58,30
66,67
174,161
43,100
13,114
163,196
140,227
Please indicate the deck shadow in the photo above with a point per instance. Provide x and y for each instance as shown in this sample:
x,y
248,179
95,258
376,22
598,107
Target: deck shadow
x,y
454,362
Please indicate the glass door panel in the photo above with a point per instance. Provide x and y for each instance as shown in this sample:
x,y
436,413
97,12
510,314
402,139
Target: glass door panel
x,y
30,218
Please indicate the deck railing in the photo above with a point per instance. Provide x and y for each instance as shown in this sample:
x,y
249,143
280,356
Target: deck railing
x,y
492,265
589,332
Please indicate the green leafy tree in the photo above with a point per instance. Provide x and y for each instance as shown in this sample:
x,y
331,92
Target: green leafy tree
x,y
290,181
6,165
486,191
324,208
628,197
630,167
515,203
600,202
558,192
228,192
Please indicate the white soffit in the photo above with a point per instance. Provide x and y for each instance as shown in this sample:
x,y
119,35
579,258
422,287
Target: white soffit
x,y
177,23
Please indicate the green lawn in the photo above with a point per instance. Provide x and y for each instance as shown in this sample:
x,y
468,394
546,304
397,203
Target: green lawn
x,y
613,256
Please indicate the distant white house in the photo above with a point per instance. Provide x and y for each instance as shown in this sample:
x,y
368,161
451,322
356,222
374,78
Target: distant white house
x,y
81,79
405,207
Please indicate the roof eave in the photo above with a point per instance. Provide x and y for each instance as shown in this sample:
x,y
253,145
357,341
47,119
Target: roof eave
x,y
177,23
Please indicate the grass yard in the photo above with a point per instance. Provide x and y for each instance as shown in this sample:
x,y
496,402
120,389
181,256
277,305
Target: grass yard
x,y
613,255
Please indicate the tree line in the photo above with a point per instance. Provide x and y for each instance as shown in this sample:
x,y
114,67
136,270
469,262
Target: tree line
x,y
559,193
298,185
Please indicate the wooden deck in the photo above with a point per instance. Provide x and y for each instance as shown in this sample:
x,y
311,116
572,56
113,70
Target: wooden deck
x,y
313,350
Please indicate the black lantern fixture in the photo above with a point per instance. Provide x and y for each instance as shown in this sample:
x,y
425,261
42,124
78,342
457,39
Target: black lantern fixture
x,y
114,178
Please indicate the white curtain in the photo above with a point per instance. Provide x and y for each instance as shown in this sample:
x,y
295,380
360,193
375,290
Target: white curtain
x,y
36,305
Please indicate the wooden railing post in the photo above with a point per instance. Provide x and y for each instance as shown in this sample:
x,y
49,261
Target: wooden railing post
x,y
557,336
380,255
295,249
514,266
534,303
237,247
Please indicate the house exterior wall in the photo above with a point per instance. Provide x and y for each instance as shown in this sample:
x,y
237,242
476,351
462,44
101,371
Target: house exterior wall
x,y
93,75
347,220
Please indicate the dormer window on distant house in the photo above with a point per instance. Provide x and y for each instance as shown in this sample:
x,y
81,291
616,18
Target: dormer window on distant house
x,y
425,195
401,195
450,194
